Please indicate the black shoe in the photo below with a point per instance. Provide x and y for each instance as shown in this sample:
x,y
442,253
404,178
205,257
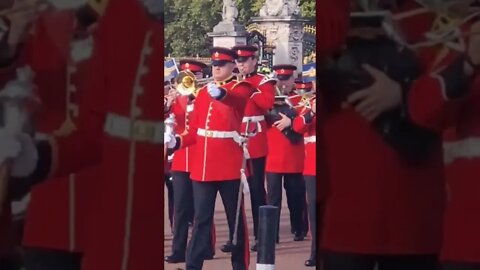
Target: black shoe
x,y
210,257
254,247
175,259
310,262
228,247
298,237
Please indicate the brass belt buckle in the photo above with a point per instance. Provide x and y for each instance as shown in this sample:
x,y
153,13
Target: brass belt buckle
x,y
208,133
144,132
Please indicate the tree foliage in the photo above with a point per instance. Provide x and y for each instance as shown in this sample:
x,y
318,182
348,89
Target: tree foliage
x,y
187,22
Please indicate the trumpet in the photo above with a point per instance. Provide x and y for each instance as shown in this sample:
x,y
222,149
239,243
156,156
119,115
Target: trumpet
x,y
188,84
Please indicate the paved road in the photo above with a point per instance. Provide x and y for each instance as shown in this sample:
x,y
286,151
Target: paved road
x,y
289,254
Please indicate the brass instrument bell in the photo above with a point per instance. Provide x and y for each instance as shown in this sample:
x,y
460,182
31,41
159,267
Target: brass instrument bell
x,y
186,83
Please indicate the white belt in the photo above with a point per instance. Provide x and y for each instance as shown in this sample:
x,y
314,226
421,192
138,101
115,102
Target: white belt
x,y
255,119
225,135
310,139
143,131
217,134
468,148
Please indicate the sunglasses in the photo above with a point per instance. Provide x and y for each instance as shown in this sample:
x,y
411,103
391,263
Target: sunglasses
x,y
282,78
220,63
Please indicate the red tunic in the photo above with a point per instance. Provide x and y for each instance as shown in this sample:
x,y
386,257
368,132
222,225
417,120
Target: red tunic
x,y
462,156
459,121
332,23
65,200
258,105
309,129
414,20
126,229
214,122
378,204
284,156
183,158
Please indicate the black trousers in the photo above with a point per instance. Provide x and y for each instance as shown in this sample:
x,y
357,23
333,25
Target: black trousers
x,y
256,183
169,186
183,213
295,189
460,266
305,218
204,196
10,264
344,261
306,213
47,259
311,185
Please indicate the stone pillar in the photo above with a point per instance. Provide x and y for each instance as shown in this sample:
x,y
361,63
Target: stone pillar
x,y
229,34
285,33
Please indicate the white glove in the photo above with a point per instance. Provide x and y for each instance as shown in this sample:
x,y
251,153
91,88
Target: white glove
x,y
213,90
26,162
169,140
10,147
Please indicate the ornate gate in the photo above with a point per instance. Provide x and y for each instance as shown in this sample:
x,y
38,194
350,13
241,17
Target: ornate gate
x,y
257,38
309,43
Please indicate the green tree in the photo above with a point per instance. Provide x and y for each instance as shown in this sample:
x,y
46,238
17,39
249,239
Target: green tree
x,y
308,9
187,22
248,9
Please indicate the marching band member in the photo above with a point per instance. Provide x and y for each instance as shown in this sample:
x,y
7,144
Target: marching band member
x,y
196,67
215,129
258,105
379,162
447,99
13,30
57,242
305,123
286,154
183,160
121,128
169,97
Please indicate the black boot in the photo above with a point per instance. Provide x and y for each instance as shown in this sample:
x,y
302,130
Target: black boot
x,y
298,236
311,262
254,247
210,256
228,247
175,258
